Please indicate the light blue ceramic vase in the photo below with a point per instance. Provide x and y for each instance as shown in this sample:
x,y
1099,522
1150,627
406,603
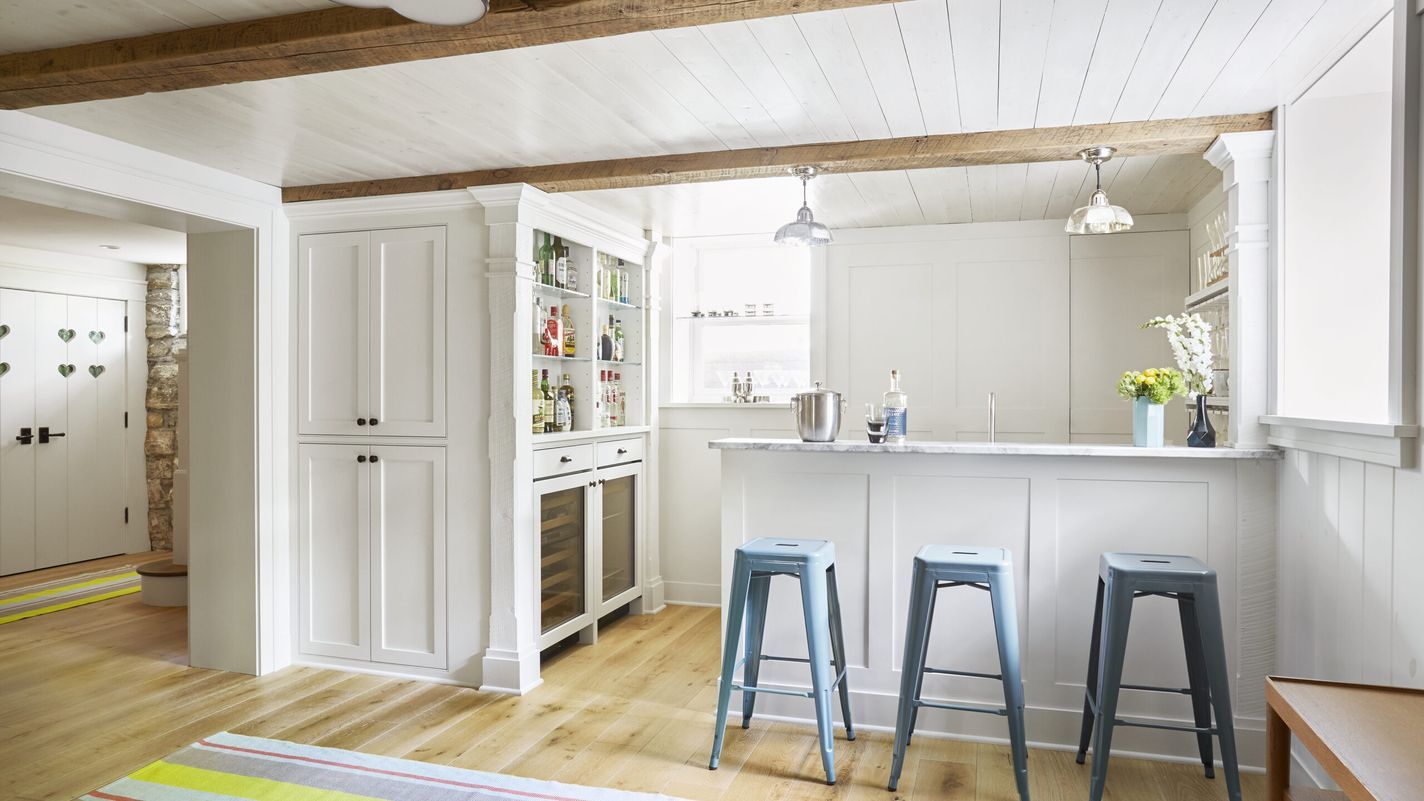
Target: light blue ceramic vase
x,y
1148,422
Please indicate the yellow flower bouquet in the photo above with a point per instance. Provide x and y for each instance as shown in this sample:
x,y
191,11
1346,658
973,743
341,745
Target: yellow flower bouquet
x,y
1156,384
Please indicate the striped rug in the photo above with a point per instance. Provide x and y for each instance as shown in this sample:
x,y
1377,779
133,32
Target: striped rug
x,y
41,599
230,766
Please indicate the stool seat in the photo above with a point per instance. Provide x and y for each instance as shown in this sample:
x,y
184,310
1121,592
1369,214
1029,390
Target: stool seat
x,y
1149,564
768,553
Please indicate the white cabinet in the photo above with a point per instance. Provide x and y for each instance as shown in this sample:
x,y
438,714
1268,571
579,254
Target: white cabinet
x,y
372,325
590,548
372,553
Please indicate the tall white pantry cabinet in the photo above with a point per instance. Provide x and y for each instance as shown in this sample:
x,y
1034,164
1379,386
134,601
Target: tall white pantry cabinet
x,y
416,476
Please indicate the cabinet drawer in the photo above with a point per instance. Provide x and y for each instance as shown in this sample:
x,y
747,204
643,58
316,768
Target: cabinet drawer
x,y
558,461
619,451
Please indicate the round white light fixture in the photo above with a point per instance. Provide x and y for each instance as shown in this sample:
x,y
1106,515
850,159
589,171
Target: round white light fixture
x,y
1099,216
431,12
804,230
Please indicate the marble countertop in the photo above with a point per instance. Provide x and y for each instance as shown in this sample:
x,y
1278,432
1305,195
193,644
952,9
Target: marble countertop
x,y
994,449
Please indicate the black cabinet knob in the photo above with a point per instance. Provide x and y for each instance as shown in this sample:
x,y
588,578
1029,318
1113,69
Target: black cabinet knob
x,y
360,421
375,422
375,458
361,458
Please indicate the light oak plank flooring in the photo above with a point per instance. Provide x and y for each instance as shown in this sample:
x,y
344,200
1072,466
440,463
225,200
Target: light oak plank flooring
x,y
92,693
18,580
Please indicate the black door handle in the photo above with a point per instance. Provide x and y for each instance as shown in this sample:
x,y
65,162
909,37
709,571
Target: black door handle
x,y
46,436
27,436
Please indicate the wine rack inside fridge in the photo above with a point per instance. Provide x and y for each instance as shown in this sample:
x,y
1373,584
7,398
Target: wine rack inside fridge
x,y
562,549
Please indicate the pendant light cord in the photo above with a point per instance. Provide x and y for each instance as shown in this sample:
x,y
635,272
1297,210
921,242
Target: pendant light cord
x,y
1098,170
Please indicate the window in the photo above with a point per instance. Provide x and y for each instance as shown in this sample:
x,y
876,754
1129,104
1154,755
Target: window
x,y
739,307
1334,293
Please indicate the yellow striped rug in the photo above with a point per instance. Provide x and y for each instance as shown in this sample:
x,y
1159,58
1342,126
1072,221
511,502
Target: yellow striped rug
x,y
67,593
225,767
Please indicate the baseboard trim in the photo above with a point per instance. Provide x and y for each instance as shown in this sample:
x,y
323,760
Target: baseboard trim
x,y
688,593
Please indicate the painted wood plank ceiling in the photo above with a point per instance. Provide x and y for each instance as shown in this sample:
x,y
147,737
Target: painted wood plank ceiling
x,y
906,69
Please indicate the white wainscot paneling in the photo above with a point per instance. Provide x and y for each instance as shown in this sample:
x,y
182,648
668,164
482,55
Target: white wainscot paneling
x,y
690,522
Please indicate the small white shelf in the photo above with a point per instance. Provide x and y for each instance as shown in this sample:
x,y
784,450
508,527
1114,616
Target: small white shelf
x,y
546,289
597,433
1202,296
615,363
618,304
560,358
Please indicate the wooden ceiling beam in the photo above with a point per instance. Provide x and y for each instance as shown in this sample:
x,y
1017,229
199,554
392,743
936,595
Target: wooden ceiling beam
x,y
343,39
1028,145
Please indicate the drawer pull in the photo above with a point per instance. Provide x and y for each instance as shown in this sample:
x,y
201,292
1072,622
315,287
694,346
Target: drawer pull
x,y
565,459
622,451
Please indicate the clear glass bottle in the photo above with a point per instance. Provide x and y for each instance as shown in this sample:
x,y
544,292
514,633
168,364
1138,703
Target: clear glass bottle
x,y
567,387
571,279
622,399
570,345
561,264
605,342
562,412
618,352
896,411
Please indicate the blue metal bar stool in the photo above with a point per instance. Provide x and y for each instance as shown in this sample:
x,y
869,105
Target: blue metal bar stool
x,y
813,564
1122,578
939,567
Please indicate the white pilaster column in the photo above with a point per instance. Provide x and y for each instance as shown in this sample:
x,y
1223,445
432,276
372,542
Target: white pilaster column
x,y
1245,160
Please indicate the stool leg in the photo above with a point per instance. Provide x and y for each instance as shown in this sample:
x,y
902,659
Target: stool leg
x,y
924,640
1218,679
1196,679
1085,738
838,650
1006,628
756,627
736,609
1116,617
916,633
816,609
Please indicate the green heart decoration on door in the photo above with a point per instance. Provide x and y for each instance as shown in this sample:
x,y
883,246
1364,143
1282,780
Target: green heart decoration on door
x,y
66,334
96,370
4,331
66,370
96,337
4,368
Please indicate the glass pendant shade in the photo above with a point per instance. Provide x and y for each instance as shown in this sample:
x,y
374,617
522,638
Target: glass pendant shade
x,y
1100,216
804,230
430,12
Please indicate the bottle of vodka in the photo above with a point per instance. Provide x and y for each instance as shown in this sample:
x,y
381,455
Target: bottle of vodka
x,y
895,403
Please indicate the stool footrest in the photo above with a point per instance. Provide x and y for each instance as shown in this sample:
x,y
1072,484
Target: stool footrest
x,y
1151,689
1165,726
983,710
840,677
969,673
978,585
802,660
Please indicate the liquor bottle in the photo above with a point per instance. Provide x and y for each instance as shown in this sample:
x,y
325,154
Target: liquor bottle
x,y
562,412
571,279
546,261
736,387
569,344
749,387
622,399
605,342
568,389
538,406
539,317
614,418
618,353
618,273
552,339
602,398
547,396
561,264
895,401
622,283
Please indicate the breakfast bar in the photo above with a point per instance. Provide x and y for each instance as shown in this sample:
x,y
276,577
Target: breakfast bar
x,y
1055,508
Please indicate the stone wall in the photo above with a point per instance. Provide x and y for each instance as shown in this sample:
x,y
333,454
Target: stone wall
x,y
160,445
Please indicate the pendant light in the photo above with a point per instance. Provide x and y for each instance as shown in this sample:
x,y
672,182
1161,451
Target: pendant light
x,y
1099,216
804,230
430,12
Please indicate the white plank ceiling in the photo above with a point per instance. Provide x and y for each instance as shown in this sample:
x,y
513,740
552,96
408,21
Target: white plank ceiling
x,y
906,69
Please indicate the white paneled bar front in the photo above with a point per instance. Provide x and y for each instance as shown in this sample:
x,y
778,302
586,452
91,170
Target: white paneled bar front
x,y
1056,508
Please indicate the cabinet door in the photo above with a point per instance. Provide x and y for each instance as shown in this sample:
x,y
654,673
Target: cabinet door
x,y
333,366
620,536
106,489
407,332
562,508
18,368
52,412
408,555
334,534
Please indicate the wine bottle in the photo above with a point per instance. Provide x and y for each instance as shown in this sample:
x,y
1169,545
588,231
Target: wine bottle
x,y
546,261
547,396
605,342
538,406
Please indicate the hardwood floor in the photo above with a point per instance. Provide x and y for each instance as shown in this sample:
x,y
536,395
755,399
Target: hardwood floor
x,y
90,694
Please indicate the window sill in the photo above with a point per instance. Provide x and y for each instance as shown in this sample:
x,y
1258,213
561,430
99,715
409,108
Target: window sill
x,y
782,405
1379,443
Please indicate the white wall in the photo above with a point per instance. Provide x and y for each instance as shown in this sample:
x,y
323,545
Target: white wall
x,y
1015,308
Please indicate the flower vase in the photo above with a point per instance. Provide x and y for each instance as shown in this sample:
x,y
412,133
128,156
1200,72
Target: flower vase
x,y
1202,434
1148,423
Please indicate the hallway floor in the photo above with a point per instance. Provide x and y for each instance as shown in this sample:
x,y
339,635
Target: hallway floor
x,y
90,694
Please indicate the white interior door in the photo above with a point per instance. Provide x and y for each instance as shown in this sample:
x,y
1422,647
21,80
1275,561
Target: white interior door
x,y
52,376
334,535
87,518
407,332
333,296
408,555
17,412
108,485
